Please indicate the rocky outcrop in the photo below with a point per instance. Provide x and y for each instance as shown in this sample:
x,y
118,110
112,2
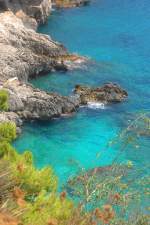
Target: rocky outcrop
x,y
25,53
70,3
30,11
30,103
108,93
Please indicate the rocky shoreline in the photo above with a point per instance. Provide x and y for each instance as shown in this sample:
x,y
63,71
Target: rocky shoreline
x,y
27,103
26,53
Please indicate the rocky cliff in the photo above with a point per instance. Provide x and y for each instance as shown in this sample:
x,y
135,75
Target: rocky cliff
x,y
31,103
25,53
28,103
30,11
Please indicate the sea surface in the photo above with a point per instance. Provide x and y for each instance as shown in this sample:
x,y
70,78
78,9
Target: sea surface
x,y
115,35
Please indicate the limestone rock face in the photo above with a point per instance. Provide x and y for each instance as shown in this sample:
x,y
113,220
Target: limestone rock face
x,y
31,103
108,93
24,52
29,9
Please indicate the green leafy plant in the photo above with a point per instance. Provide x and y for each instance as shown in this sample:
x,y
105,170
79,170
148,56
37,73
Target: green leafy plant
x,y
3,100
35,190
7,131
47,209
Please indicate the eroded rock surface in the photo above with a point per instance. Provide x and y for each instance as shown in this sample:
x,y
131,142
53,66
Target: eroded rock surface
x,y
31,103
32,12
25,53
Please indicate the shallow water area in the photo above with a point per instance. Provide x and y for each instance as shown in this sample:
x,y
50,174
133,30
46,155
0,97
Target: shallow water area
x,y
115,35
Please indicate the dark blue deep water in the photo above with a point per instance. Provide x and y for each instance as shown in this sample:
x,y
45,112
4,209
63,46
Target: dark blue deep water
x,y
116,36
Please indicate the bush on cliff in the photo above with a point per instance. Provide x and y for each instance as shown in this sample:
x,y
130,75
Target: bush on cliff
x,y
3,100
32,180
7,131
35,191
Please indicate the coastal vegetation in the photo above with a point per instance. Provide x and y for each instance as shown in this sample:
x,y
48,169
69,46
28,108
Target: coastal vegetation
x,y
3,100
117,194
31,193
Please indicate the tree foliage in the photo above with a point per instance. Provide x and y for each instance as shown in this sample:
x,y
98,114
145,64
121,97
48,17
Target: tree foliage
x,y
35,190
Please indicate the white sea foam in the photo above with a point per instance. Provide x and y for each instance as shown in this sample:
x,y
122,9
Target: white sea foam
x,y
96,105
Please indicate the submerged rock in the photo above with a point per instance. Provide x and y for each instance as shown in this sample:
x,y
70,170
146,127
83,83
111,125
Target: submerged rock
x,y
108,93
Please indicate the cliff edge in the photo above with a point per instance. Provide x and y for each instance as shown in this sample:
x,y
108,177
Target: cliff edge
x,y
25,54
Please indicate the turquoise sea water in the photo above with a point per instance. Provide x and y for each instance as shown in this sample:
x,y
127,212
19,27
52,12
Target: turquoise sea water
x,y
115,35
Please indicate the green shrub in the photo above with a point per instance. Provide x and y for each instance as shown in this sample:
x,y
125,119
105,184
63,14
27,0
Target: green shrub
x,y
7,131
24,173
48,208
7,150
42,204
3,100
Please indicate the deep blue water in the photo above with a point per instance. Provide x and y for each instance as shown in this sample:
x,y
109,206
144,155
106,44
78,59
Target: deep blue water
x,y
116,36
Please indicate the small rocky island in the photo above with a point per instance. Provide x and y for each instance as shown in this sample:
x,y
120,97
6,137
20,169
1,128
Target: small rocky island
x,y
26,54
108,93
